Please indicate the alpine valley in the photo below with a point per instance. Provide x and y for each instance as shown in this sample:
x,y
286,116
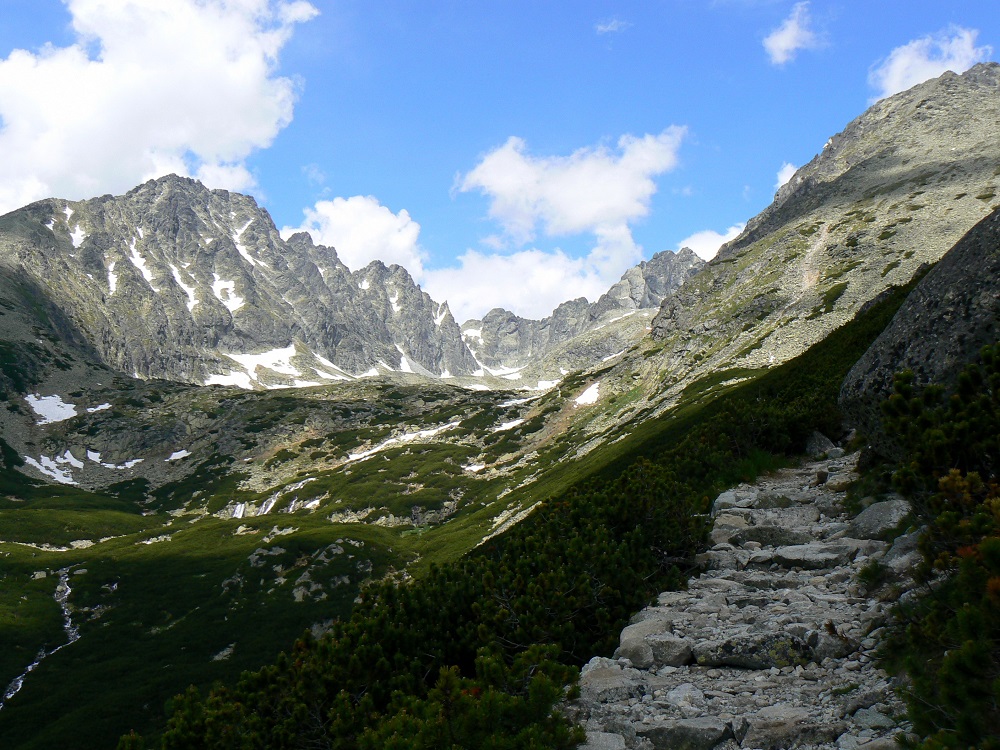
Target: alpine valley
x,y
215,440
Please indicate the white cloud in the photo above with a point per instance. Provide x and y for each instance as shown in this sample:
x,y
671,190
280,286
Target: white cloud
x,y
591,188
785,174
793,34
595,190
611,26
530,282
148,88
706,243
925,58
362,230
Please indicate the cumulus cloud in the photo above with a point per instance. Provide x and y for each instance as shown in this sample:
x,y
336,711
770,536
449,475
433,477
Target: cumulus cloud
x,y
148,88
362,230
595,191
529,282
928,57
590,189
784,174
707,242
793,34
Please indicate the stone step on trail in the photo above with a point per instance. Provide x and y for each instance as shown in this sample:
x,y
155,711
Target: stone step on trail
x,y
772,646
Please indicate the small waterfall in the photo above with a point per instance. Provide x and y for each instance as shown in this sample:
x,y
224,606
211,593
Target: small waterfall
x,y
61,596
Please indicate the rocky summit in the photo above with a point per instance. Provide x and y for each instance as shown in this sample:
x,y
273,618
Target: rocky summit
x,y
773,645
176,281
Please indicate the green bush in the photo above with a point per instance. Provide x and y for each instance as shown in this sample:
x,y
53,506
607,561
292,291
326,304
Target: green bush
x,y
949,640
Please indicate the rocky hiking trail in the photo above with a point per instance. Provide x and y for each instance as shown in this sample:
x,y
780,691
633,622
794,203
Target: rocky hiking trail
x,y
772,646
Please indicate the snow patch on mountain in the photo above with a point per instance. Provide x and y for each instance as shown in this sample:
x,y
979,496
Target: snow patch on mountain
x,y
225,292
139,262
543,385
50,408
188,290
54,469
505,372
401,440
508,425
240,247
278,360
240,379
78,236
589,396
96,458
404,363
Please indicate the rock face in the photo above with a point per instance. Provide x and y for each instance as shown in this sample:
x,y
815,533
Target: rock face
x,y
943,324
771,647
896,189
502,339
173,280
176,281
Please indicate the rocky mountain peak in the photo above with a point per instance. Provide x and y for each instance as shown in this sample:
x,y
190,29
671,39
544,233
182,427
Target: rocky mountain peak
x,y
931,127
175,280
895,190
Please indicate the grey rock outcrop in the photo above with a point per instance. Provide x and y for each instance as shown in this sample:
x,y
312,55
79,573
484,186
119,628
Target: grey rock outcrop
x,y
894,191
778,641
950,315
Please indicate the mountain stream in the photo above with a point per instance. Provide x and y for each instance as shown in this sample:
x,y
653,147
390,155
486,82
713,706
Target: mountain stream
x,y
61,596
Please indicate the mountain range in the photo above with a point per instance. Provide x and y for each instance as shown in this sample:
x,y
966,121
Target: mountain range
x,y
214,437
176,281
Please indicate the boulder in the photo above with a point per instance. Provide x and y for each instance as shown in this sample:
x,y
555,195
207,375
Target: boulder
x,y
869,718
827,645
633,645
686,734
603,741
819,445
771,536
669,651
815,556
753,651
904,554
604,681
688,699
785,726
879,520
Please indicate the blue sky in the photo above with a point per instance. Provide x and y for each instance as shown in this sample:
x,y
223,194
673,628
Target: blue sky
x,y
510,154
